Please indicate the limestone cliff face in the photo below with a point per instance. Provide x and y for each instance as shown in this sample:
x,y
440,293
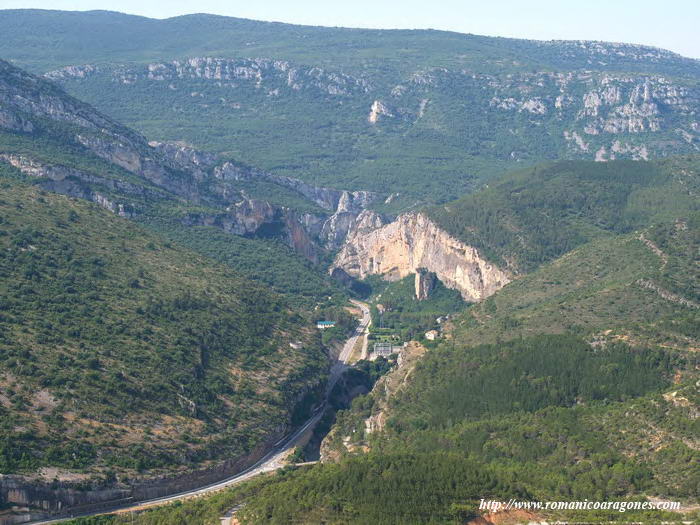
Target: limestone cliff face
x,y
413,243
23,96
15,122
142,160
275,77
378,110
186,157
252,217
75,183
330,230
338,201
173,171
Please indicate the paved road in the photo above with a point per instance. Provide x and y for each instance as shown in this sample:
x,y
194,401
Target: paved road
x,y
365,342
341,364
275,458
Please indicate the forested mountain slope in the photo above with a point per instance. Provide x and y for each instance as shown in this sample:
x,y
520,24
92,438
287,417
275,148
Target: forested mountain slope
x,y
519,221
640,287
127,358
577,381
123,353
606,410
366,109
535,215
269,227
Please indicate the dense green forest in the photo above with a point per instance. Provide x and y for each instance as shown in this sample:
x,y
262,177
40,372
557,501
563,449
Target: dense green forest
x,y
523,375
109,333
268,261
561,428
528,217
599,291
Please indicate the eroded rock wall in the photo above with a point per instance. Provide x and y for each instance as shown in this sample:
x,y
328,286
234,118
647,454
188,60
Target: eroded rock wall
x,y
411,243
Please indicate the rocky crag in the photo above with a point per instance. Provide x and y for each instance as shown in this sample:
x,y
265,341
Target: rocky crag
x,y
262,73
600,116
413,244
147,172
584,112
424,283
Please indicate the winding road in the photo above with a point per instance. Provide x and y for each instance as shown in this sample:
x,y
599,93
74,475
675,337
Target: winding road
x,y
273,460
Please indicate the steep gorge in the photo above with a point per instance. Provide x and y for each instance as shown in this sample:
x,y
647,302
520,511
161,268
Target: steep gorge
x,y
411,243
68,147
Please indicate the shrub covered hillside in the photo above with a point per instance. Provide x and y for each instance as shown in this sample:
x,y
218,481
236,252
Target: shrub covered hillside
x,y
267,260
121,352
536,215
576,381
640,287
531,419
67,147
542,418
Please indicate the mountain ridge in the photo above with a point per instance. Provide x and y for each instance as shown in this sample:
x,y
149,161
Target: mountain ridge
x,y
34,107
368,109
300,27
554,184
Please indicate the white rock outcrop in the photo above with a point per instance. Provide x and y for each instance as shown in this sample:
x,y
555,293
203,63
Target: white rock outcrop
x,y
378,109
